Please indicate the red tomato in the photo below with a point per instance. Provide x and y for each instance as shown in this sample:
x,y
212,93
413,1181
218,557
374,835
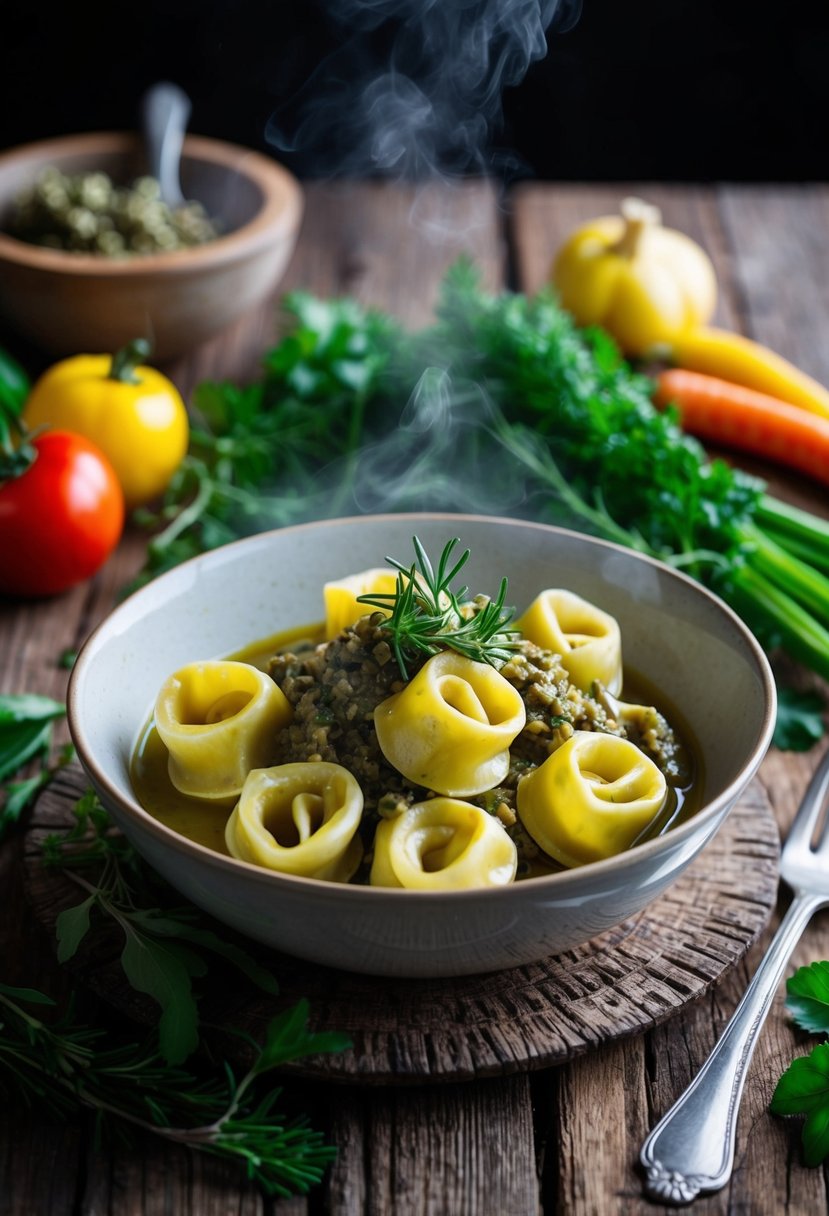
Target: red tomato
x,y
61,519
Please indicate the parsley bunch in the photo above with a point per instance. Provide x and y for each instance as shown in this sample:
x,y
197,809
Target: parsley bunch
x,y
803,1089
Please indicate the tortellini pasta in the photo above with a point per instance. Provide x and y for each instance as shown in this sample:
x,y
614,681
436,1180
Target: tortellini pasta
x,y
451,726
340,596
299,819
586,638
591,798
442,844
218,719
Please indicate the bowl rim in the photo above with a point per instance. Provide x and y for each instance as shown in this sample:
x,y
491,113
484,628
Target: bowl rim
x,y
559,881
282,207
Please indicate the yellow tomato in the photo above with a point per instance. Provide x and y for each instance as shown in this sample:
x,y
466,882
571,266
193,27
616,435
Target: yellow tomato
x,y
132,412
643,283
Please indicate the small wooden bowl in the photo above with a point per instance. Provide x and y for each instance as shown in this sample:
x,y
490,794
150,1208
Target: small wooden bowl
x,y
69,303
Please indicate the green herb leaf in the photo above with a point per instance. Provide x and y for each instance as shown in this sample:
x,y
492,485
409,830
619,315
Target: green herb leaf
x,y
808,997
803,1089
71,927
25,732
14,383
29,995
29,707
20,795
799,719
288,1038
20,742
166,927
163,973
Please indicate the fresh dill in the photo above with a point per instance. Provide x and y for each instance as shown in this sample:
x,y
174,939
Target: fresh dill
x,y
426,616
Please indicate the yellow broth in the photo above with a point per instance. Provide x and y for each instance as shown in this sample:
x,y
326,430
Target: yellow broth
x,y
204,822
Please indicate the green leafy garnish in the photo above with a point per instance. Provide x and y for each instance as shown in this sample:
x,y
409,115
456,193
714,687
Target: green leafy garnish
x,y
427,616
26,734
803,1089
807,997
69,1067
799,719
165,947
14,384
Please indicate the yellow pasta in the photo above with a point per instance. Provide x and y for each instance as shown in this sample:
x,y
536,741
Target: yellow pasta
x,y
299,819
442,844
591,798
450,728
341,607
218,720
586,638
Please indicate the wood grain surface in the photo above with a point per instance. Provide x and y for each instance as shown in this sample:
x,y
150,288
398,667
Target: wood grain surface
x,y
555,1140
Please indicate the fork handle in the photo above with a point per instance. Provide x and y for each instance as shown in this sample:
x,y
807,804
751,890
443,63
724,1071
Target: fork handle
x,y
691,1149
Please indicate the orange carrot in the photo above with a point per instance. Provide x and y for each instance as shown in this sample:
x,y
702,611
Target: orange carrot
x,y
743,418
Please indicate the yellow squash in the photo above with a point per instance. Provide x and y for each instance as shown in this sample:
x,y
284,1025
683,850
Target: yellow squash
x,y
132,412
644,283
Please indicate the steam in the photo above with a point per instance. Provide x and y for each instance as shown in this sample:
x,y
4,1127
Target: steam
x,y
445,454
415,90
419,463
415,93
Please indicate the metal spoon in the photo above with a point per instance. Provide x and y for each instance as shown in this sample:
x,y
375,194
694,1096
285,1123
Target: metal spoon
x,y
165,111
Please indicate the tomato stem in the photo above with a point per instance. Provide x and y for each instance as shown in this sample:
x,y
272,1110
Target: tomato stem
x,y
127,359
17,453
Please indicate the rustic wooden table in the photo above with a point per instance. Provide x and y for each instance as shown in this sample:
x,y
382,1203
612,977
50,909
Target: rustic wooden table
x,y
563,1140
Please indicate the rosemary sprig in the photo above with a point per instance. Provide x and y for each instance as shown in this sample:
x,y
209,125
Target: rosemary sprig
x,y
426,616
69,1067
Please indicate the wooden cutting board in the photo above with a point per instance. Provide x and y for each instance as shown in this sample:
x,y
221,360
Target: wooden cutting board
x,y
620,984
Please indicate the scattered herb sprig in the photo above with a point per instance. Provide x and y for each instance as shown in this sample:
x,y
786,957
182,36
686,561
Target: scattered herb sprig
x,y
165,947
803,1089
69,1067
426,615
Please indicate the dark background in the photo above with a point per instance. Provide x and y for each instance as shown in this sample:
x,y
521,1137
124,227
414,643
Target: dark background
x,y
676,90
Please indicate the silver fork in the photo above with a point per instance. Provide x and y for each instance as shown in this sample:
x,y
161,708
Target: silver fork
x,y
691,1149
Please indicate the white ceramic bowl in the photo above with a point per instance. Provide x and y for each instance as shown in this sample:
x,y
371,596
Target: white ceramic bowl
x,y
674,633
